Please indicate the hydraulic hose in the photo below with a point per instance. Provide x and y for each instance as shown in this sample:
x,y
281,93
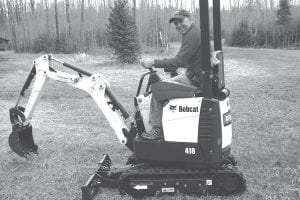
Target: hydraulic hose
x,y
108,91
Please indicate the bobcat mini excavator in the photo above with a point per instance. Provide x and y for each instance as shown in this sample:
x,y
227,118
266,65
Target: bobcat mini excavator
x,y
194,156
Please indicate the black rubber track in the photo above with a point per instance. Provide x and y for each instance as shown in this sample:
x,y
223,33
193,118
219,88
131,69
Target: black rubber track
x,y
227,180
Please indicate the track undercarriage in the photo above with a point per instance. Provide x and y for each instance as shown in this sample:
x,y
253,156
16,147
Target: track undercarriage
x,y
150,180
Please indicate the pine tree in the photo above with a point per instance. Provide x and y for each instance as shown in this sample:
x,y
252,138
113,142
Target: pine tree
x,y
260,36
122,33
284,12
284,20
241,36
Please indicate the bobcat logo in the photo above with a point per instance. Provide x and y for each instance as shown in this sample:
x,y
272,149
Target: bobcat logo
x,y
173,108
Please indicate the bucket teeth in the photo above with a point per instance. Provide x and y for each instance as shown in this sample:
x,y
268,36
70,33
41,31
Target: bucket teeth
x,y
21,140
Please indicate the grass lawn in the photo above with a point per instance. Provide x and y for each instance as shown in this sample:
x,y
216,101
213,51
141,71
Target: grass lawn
x,y
72,133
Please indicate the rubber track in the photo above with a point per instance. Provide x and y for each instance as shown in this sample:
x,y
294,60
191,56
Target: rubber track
x,y
221,177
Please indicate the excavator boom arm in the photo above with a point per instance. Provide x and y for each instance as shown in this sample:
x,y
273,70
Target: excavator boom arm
x,y
94,84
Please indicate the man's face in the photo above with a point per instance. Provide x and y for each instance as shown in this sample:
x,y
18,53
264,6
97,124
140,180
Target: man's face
x,y
182,25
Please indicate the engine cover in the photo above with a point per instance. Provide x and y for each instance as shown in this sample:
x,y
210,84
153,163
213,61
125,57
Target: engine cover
x,y
196,131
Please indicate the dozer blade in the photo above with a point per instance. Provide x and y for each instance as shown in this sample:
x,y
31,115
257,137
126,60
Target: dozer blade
x,y
21,140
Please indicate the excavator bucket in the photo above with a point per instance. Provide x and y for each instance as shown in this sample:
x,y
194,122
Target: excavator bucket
x,y
21,140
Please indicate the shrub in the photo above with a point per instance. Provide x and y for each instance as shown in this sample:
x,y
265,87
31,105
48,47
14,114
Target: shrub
x,y
42,43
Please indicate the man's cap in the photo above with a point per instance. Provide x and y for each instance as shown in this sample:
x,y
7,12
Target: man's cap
x,y
180,14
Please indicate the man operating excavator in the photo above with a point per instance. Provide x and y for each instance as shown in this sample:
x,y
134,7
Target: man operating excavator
x,y
195,155
189,57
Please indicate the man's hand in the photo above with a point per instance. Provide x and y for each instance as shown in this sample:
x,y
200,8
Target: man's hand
x,y
213,59
147,64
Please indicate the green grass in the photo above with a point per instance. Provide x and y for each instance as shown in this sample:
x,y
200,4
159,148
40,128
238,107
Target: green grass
x,y
72,133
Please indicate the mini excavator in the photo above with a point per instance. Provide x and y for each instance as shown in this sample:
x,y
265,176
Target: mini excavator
x,y
195,155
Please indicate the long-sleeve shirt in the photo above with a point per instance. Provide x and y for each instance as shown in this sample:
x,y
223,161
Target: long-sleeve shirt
x,y
189,55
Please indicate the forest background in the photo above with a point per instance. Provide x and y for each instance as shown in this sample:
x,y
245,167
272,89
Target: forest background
x,y
69,26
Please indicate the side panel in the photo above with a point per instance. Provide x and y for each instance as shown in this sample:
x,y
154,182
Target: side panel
x,y
210,130
180,119
226,129
163,152
192,136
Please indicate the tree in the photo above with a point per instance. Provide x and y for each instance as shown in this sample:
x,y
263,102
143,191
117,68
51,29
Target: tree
x,y
2,13
284,20
47,18
134,10
122,33
32,5
241,36
284,13
12,24
68,18
260,39
81,25
57,42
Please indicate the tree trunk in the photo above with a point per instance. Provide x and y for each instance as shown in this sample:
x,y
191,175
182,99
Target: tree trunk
x,y
47,17
26,41
12,24
17,12
2,14
193,8
32,4
57,42
134,7
68,17
156,27
81,25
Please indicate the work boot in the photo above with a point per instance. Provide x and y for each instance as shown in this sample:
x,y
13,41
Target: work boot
x,y
155,133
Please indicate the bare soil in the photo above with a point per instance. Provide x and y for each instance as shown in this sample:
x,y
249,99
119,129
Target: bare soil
x,y
72,133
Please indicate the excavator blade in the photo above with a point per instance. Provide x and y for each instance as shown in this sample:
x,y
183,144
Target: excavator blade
x,y
21,140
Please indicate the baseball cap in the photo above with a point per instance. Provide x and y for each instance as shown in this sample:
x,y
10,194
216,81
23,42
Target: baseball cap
x,y
180,14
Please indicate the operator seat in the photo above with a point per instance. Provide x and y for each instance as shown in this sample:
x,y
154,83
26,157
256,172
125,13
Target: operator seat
x,y
164,90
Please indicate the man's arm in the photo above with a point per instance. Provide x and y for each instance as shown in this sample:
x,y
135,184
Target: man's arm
x,y
190,44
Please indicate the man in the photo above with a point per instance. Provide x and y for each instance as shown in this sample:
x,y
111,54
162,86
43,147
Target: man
x,y
188,57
